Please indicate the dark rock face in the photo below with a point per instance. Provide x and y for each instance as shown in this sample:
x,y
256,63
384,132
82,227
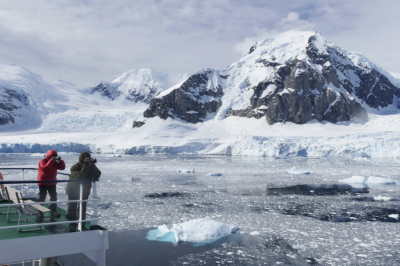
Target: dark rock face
x,y
190,102
106,90
137,124
10,101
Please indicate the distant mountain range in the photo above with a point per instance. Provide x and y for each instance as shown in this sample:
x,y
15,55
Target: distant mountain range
x,y
294,77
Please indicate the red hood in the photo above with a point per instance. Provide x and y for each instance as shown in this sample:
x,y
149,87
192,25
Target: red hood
x,y
50,153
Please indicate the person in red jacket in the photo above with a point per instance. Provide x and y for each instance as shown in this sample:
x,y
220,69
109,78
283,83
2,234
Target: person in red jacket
x,y
48,171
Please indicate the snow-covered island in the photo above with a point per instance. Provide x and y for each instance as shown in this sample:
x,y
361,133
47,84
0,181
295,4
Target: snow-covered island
x,y
296,94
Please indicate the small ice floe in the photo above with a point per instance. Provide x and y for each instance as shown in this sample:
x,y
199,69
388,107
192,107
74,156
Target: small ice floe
x,y
114,155
198,231
368,180
185,171
255,233
361,159
394,216
214,174
380,198
295,171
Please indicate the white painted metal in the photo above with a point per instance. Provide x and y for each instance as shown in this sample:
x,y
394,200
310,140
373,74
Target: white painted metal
x,y
95,203
42,224
80,207
29,248
23,179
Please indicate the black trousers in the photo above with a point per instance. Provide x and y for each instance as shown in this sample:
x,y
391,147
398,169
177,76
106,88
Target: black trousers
x,y
43,189
73,209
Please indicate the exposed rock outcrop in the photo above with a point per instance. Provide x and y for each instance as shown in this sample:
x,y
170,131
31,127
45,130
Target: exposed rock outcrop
x,y
138,124
198,96
10,102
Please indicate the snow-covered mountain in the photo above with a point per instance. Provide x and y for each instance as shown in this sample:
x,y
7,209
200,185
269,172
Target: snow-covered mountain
x,y
138,85
293,77
25,97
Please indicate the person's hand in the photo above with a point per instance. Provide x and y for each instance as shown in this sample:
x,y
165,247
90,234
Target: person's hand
x,y
88,161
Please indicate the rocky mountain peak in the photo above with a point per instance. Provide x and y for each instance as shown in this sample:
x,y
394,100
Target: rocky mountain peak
x,y
293,77
137,85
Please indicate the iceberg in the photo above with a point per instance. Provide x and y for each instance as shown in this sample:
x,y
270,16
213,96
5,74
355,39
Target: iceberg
x,y
198,231
295,171
394,216
368,180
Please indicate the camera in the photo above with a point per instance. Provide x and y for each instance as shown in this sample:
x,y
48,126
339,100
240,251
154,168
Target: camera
x,y
93,160
57,158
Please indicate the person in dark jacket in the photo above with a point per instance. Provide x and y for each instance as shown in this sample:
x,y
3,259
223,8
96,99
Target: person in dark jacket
x,y
47,172
85,169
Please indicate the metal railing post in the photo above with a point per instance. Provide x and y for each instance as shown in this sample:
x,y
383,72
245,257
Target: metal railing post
x,y
80,207
23,179
95,204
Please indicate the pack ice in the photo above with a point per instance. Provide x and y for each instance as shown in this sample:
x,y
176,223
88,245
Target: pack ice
x,y
198,231
368,180
295,171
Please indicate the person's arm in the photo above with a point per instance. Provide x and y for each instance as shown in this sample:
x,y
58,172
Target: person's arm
x,y
95,172
45,166
79,172
1,178
61,165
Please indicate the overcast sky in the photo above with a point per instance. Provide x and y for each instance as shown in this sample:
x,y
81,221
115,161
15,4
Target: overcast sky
x,y
84,41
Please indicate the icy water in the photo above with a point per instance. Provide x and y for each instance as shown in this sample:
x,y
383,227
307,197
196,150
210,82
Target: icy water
x,y
283,219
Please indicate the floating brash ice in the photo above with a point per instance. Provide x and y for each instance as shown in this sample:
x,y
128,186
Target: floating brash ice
x,y
368,180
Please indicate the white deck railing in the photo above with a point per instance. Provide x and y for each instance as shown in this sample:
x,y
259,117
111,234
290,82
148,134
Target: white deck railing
x,y
95,217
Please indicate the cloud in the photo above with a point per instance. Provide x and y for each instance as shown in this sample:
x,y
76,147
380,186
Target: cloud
x,y
87,41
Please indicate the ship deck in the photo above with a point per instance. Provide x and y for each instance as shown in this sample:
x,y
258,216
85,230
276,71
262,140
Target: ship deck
x,y
48,229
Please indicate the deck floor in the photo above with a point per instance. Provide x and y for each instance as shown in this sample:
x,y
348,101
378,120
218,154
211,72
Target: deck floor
x,y
48,229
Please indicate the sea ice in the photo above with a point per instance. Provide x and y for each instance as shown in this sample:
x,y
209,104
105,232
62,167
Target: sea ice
x,y
295,171
185,171
198,231
214,174
380,198
361,159
394,216
114,155
368,180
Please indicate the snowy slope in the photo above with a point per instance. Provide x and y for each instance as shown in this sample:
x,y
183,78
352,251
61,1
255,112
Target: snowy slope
x,y
138,85
36,106
26,98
